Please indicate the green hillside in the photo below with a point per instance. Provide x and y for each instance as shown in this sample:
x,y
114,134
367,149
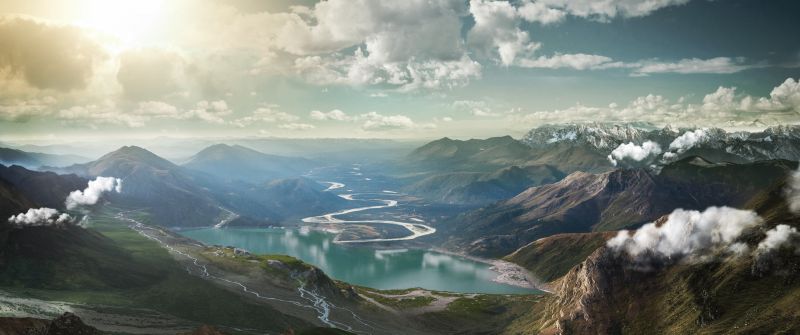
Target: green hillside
x,y
110,264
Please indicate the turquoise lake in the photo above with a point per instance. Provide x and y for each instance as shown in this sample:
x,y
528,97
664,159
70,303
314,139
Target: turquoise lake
x,y
382,269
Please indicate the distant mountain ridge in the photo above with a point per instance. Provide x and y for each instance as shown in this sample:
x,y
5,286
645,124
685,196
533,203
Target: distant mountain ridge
x,y
280,199
474,154
172,194
623,198
10,156
586,147
179,196
483,187
777,142
232,162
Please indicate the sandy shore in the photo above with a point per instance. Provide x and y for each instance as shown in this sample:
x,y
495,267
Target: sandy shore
x,y
507,273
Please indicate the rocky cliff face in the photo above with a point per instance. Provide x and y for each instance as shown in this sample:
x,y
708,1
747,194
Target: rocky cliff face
x,y
582,296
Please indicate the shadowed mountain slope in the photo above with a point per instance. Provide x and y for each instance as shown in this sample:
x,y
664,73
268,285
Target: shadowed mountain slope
x,y
584,202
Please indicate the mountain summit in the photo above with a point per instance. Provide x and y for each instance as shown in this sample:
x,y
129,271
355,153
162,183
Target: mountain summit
x,y
173,194
238,162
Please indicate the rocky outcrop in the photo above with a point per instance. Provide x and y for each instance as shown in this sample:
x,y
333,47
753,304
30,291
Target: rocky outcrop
x,y
582,296
552,257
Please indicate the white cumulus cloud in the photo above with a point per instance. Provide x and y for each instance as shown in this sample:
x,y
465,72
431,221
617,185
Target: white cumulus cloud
x,y
792,192
718,65
336,115
634,152
687,233
93,191
609,9
264,114
374,121
539,12
685,142
777,237
571,61
497,33
40,217
296,126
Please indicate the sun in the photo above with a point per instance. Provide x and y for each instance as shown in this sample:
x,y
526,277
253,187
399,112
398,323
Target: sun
x,y
131,22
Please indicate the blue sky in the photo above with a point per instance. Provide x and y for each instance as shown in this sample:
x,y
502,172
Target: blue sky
x,y
388,69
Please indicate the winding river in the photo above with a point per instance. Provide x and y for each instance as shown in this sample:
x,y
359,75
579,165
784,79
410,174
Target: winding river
x,y
416,229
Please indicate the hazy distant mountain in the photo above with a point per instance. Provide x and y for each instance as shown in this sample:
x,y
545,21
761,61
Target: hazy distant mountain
x,y
238,162
483,187
172,195
178,196
585,147
341,150
281,199
470,155
35,159
584,202
499,152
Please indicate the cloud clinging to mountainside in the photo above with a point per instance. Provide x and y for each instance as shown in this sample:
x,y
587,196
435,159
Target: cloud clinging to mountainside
x,y
93,191
41,217
638,153
687,233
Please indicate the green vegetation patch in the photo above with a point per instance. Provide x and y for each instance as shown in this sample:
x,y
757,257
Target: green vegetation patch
x,y
130,270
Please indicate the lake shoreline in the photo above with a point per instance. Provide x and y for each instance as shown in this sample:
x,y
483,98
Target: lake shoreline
x,y
507,273
498,272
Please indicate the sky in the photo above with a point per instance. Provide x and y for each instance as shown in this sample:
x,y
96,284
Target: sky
x,y
97,69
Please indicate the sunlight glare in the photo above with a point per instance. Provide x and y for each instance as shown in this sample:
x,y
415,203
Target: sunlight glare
x,y
131,22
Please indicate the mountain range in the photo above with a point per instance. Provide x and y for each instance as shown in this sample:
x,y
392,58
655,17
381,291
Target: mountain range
x,y
172,194
180,196
550,203
623,198
231,162
482,187
10,156
608,293
777,142
106,263
472,171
